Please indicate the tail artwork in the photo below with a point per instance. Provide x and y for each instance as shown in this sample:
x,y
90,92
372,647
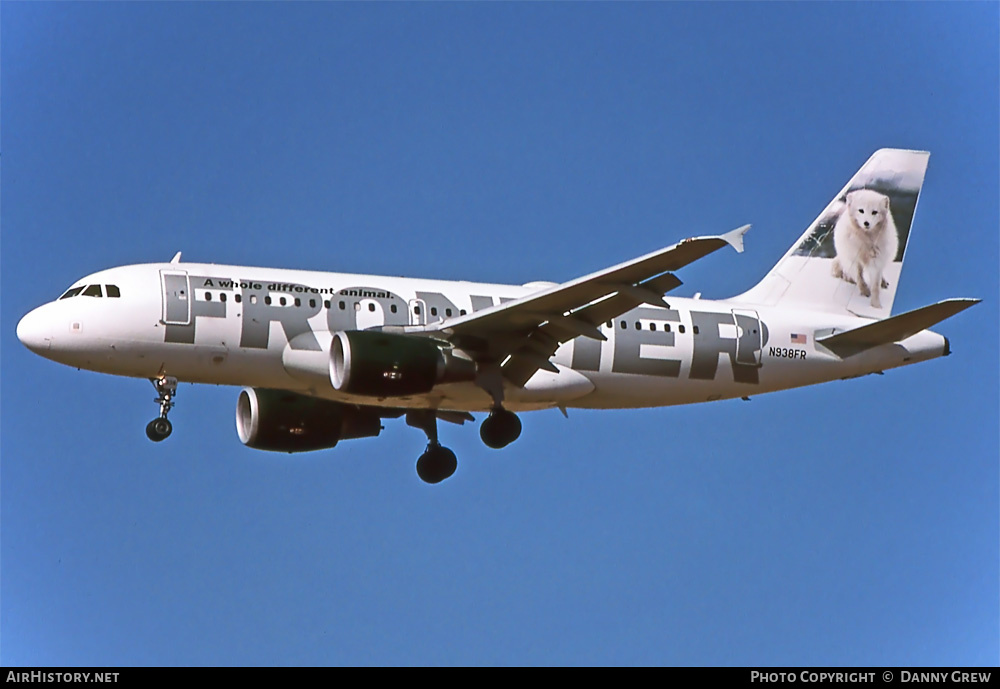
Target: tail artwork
x,y
851,257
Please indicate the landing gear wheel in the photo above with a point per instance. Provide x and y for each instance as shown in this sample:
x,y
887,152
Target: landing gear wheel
x,y
158,429
436,464
500,429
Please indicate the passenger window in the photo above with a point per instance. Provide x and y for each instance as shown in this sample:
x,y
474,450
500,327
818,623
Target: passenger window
x,y
666,328
282,301
624,325
326,303
312,303
434,310
652,326
371,306
112,291
343,306
416,310
610,324
267,300
696,330
93,291
462,312
72,292
393,308
298,302
681,329
447,312
222,296
638,325
208,296
238,298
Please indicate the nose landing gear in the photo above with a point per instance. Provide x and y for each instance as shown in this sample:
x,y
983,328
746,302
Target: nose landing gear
x,y
166,389
158,429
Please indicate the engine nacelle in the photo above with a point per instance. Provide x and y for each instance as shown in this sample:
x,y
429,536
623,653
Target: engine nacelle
x,y
286,422
378,364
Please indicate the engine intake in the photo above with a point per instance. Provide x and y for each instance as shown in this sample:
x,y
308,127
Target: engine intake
x,y
381,364
281,421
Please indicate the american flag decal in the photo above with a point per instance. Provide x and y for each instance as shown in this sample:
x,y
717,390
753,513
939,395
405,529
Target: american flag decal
x,y
798,338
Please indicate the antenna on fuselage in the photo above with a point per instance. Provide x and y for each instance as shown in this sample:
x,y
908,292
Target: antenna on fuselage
x,y
176,258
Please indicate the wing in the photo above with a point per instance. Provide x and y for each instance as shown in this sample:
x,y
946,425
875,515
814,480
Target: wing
x,y
523,334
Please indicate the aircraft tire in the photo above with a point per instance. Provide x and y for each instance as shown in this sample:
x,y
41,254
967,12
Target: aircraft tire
x,y
436,464
159,429
500,429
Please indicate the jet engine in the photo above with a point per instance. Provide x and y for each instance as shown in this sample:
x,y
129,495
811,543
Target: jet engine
x,y
282,421
378,364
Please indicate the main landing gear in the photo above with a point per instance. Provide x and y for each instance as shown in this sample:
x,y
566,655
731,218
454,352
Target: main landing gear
x,y
437,462
500,428
166,389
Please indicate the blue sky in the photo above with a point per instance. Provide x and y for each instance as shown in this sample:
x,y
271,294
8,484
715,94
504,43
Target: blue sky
x,y
850,523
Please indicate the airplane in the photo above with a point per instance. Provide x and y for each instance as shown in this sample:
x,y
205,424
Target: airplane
x,y
326,357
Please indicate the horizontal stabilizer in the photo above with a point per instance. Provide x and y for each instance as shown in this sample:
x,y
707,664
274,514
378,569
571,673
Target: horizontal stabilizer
x,y
893,329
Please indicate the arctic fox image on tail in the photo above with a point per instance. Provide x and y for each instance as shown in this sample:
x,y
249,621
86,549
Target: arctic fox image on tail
x,y
866,241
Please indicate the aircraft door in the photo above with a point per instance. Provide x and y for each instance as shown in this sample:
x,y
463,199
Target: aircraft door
x,y
176,297
418,312
749,337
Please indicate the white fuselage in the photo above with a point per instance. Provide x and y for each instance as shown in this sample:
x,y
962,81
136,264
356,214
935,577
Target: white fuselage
x,y
272,328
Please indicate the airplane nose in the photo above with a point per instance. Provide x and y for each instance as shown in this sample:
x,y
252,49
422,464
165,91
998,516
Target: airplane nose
x,y
33,331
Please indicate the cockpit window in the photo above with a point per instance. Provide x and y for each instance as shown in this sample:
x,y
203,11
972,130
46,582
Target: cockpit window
x,y
113,291
93,291
72,292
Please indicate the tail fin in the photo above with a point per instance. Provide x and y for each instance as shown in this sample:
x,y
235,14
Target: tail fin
x,y
850,258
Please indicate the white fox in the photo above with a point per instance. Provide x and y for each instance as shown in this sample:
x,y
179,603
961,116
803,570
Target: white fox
x,y
866,242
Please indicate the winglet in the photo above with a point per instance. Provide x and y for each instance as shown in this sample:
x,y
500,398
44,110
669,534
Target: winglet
x,y
734,238
176,258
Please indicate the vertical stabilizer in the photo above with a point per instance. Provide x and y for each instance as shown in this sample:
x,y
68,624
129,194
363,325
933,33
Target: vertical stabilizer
x,y
850,258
